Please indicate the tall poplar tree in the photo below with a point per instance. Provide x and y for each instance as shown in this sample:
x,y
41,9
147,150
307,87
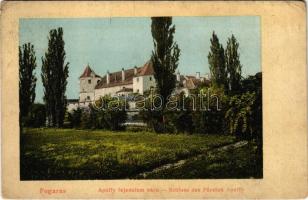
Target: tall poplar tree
x,y
233,64
27,79
165,55
165,58
216,59
54,77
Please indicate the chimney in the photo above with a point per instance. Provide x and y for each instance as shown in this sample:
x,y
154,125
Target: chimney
x,y
178,76
108,77
135,70
123,75
198,75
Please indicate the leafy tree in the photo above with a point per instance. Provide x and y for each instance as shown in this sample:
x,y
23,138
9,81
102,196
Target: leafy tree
x,y
27,79
54,76
216,59
233,65
240,115
165,57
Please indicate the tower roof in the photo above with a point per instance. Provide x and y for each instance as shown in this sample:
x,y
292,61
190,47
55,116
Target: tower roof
x,y
88,72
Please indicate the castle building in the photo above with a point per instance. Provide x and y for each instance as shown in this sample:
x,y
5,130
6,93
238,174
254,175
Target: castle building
x,y
126,82
134,80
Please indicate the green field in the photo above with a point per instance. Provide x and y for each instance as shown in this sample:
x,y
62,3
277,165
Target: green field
x,y
65,154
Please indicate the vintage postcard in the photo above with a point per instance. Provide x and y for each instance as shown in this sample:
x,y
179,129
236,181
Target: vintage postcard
x,y
154,99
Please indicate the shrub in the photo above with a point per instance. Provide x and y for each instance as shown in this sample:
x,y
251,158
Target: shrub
x,y
108,113
85,120
74,118
36,117
103,114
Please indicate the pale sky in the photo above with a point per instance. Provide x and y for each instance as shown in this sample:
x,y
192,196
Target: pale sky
x,y
116,43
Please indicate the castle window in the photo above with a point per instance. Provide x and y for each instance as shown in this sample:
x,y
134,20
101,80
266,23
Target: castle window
x,y
150,78
88,97
89,81
137,90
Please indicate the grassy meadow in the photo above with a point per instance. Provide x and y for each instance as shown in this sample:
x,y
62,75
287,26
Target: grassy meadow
x,y
69,154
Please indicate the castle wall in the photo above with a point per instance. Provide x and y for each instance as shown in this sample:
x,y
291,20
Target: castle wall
x,y
138,84
86,96
143,83
110,91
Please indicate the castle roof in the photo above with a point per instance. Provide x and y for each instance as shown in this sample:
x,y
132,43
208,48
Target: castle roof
x,y
115,78
146,70
88,72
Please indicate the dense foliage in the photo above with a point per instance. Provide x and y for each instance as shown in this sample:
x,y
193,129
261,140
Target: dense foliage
x,y
244,113
189,114
54,77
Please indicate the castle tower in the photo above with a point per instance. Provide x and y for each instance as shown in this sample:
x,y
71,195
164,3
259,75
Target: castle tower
x,y
88,80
